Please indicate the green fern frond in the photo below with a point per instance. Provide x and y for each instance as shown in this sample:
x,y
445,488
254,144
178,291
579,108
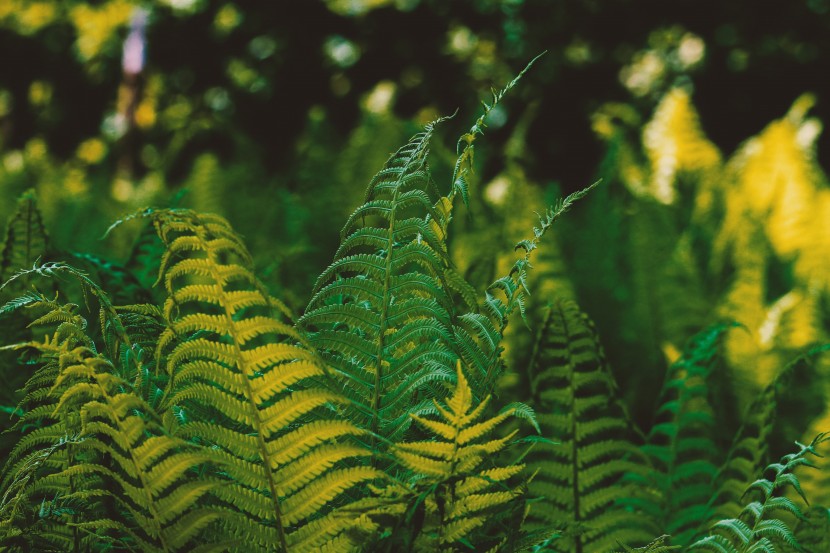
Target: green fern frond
x,y
380,313
765,524
26,239
146,474
115,336
750,446
580,478
681,444
231,357
83,432
479,335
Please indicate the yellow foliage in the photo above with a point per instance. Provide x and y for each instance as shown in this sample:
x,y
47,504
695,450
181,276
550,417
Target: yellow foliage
x,y
675,143
453,466
96,26
762,220
92,151
28,16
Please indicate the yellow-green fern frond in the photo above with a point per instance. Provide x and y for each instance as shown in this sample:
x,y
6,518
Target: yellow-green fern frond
x,y
463,491
580,478
150,477
674,144
811,261
272,426
773,181
93,455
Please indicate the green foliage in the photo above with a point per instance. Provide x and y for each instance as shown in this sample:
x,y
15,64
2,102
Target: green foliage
x,y
245,385
681,443
380,314
764,524
206,419
579,476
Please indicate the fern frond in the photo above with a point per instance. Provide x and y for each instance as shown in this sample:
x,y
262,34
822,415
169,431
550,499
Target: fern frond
x,y
765,523
462,492
380,313
675,143
479,335
657,546
750,447
681,443
580,478
271,426
26,239
112,329
147,474
89,441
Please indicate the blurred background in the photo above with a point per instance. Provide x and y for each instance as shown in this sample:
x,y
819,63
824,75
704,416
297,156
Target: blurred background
x,y
703,118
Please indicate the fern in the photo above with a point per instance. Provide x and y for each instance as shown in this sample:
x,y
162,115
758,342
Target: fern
x,y
145,473
750,446
26,239
380,313
681,443
231,358
580,479
675,143
44,444
657,546
115,461
462,492
25,242
765,523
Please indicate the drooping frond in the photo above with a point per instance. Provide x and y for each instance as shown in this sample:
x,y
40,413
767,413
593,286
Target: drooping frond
x,y
94,456
115,337
147,476
464,493
232,358
681,443
580,478
479,334
766,522
381,312
45,439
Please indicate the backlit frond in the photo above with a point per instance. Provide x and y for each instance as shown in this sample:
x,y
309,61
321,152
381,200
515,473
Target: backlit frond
x,y
463,491
233,358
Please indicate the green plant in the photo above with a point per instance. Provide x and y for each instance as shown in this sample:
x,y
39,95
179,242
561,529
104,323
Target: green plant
x,y
210,421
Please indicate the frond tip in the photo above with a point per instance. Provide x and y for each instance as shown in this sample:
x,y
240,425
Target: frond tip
x,y
762,524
